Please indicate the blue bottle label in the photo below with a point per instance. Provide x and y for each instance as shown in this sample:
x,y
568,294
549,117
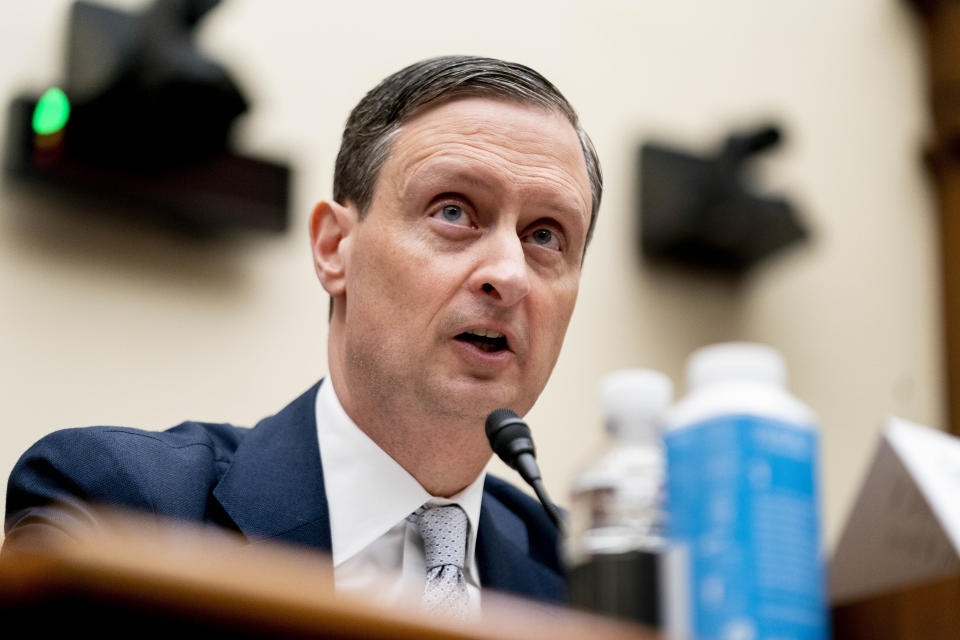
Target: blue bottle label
x,y
742,500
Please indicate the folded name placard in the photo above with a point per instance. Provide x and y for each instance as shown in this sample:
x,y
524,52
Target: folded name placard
x,y
905,524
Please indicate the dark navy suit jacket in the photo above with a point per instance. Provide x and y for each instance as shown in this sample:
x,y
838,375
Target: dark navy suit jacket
x,y
265,482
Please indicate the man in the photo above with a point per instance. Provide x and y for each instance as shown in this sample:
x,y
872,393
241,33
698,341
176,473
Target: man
x,y
465,192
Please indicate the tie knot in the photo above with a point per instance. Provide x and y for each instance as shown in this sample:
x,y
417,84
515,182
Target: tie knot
x,y
444,533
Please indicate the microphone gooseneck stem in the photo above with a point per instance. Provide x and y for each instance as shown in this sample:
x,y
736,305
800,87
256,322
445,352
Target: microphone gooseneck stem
x,y
510,439
526,466
548,505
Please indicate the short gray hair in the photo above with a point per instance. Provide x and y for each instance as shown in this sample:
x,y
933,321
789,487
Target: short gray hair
x,y
377,118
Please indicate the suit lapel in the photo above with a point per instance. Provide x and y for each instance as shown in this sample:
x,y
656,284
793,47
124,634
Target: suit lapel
x,y
274,487
504,561
274,490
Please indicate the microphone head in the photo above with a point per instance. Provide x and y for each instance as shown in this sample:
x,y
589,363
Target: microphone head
x,y
509,435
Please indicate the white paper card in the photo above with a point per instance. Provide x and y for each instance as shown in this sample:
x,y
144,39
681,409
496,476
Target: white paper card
x,y
905,524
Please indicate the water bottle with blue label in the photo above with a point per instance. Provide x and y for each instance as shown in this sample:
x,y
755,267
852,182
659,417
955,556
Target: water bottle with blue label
x,y
743,503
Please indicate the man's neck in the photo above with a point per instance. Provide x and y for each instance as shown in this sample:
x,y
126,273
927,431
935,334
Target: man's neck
x,y
443,458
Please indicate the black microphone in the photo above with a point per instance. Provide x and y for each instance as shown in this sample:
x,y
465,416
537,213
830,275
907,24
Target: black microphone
x,y
510,439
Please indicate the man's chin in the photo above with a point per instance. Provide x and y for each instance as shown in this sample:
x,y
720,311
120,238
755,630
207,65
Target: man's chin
x,y
477,399
470,398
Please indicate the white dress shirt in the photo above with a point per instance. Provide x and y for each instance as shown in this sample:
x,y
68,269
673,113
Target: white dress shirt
x,y
369,496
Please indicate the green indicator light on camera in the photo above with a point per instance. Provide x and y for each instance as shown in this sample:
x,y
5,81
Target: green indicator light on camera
x,y
51,113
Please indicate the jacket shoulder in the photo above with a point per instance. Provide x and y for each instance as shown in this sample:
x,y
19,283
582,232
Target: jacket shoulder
x,y
169,472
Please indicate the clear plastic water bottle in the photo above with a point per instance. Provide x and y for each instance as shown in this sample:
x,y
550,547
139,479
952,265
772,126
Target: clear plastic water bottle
x,y
742,489
616,526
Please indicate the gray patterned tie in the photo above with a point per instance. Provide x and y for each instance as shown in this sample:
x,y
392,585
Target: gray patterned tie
x,y
444,533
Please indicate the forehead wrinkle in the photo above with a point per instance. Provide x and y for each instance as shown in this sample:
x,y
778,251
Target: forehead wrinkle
x,y
444,156
506,132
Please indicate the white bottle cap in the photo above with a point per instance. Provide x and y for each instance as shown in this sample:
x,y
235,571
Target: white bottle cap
x,y
741,361
633,399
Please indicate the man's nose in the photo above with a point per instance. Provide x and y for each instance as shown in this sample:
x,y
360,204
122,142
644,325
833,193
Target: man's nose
x,y
502,276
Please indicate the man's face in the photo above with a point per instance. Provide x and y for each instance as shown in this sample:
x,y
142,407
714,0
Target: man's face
x,y
461,279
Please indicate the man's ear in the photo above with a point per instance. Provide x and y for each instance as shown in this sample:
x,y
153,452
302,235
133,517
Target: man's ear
x,y
330,227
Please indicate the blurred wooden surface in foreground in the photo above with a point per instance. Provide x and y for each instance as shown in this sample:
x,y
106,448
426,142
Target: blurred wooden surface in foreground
x,y
926,611
145,578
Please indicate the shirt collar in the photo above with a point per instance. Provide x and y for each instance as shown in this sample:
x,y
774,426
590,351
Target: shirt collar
x,y
368,492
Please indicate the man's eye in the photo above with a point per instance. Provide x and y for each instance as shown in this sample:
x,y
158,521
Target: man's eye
x,y
454,214
545,238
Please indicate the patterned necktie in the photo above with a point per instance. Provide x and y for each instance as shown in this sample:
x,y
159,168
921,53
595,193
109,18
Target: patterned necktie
x,y
444,533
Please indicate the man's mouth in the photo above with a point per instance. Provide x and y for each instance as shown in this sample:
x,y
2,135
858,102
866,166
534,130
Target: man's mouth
x,y
484,339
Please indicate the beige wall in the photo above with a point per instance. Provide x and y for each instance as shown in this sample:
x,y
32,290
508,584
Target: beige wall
x,y
104,323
